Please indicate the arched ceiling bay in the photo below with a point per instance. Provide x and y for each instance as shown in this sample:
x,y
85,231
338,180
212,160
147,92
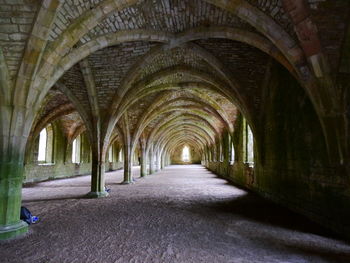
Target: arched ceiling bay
x,y
200,62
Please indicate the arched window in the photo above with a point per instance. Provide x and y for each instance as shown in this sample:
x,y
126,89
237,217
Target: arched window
x,y
248,144
120,158
110,154
76,150
232,154
42,145
185,154
45,149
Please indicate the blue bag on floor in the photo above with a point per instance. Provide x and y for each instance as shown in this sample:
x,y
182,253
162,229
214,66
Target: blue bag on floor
x,y
27,216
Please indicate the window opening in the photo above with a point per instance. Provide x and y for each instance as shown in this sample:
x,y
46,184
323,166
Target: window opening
x,y
76,150
120,158
186,154
249,145
232,154
110,154
42,145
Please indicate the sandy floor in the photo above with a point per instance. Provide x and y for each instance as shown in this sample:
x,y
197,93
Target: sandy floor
x,y
182,214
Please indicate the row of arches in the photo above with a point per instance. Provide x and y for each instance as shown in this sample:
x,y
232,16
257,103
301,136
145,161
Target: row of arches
x,y
77,153
45,151
282,87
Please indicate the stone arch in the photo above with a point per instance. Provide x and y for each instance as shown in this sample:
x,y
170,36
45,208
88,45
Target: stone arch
x,y
153,112
5,82
169,126
169,133
173,119
209,138
173,139
321,95
135,93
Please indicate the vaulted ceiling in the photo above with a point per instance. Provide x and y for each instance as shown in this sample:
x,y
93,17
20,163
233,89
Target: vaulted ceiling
x,y
172,71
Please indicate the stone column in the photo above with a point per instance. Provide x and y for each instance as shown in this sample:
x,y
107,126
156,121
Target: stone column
x,y
97,177
205,156
226,149
207,151
12,151
98,162
151,160
143,168
226,145
127,165
11,177
160,166
162,161
157,164
166,160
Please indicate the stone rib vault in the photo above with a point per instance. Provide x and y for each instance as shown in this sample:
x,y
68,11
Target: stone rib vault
x,y
256,91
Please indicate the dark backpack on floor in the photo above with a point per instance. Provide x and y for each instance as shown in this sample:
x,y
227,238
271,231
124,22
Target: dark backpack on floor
x,y
26,215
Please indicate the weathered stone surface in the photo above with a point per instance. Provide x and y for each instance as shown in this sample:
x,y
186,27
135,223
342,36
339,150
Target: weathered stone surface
x,y
173,16
16,20
207,220
111,65
138,80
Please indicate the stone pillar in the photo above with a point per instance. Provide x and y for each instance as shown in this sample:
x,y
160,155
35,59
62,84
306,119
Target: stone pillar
x,y
208,154
97,177
214,153
168,160
226,149
151,160
127,165
207,151
11,176
159,161
157,164
162,162
226,145
205,156
219,151
143,168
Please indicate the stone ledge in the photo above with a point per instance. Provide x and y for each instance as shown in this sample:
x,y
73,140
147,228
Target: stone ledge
x,y
14,230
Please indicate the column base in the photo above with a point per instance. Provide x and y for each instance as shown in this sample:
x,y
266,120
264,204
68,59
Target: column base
x,y
13,230
97,194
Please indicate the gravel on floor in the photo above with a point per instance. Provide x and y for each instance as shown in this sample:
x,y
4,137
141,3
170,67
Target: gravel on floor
x,y
180,214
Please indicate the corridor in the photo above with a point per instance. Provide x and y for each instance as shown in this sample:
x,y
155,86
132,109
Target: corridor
x,y
180,214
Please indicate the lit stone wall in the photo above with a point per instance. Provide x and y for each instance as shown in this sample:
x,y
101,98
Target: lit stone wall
x,y
176,157
61,165
291,164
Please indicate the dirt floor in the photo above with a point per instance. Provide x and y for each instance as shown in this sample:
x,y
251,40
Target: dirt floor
x,y
181,214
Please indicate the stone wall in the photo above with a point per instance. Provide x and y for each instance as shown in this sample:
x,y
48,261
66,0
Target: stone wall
x,y
291,166
176,157
16,21
61,165
43,172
